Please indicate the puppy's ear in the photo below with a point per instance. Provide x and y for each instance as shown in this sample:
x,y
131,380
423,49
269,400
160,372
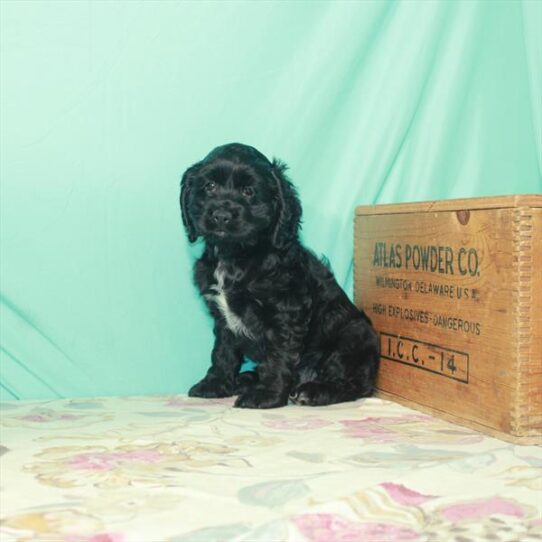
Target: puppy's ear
x,y
289,206
186,188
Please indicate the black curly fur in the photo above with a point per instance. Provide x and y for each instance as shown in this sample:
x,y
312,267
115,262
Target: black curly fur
x,y
271,299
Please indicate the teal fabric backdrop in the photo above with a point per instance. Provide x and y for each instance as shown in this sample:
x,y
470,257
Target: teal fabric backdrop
x,y
104,104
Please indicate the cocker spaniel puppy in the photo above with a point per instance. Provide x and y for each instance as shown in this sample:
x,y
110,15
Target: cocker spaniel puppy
x,y
271,299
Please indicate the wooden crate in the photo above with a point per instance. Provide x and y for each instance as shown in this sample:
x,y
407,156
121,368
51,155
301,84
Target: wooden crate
x,y
455,290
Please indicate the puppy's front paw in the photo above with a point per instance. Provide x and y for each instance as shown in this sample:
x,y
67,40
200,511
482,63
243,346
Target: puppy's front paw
x,y
260,398
211,388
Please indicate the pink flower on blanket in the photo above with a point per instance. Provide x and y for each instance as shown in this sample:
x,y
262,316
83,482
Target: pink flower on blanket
x,y
38,418
102,537
368,430
392,420
402,495
110,460
476,510
297,424
408,428
41,417
183,401
335,528
129,464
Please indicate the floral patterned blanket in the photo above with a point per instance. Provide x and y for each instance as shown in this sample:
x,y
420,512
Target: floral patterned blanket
x,y
174,469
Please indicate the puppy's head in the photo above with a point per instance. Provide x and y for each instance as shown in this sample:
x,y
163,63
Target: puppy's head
x,y
236,195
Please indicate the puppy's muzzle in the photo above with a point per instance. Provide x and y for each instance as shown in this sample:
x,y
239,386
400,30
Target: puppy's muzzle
x,y
224,216
221,217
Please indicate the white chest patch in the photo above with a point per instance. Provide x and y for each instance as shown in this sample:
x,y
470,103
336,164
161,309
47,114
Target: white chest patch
x,y
234,323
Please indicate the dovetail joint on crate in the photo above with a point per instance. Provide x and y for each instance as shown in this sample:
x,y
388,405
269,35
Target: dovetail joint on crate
x,y
522,300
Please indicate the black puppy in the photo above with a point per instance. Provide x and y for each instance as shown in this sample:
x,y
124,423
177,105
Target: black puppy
x,y
271,299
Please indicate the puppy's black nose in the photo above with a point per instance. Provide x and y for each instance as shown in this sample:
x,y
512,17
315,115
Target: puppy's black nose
x,y
221,217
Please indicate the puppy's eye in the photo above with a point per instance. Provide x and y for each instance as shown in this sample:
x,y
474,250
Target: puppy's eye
x,y
247,191
210,187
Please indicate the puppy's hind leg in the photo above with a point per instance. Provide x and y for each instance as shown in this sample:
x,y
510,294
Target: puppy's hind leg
x,y
347,373
316,393
245,381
